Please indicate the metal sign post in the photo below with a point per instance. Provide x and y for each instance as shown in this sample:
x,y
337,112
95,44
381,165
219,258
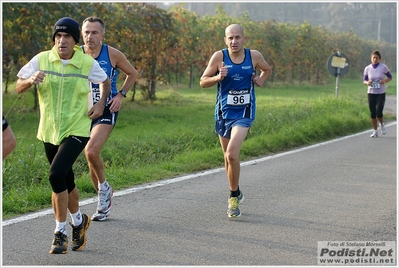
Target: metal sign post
x,y
337,82
337,65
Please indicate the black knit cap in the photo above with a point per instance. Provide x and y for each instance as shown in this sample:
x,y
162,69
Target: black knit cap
x,y
67,25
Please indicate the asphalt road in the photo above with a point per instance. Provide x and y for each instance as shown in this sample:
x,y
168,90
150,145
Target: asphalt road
x,y
342,190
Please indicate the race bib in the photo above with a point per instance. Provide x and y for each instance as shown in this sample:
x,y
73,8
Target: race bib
x,y
238,97
96,94
375,85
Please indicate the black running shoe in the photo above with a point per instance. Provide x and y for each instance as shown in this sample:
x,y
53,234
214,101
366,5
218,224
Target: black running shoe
x,y
60,244
79,233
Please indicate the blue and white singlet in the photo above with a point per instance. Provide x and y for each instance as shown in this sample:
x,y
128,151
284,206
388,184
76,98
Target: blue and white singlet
x,y
236,93
112,72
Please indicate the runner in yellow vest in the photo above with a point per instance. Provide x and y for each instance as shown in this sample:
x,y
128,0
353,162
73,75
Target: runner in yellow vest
x,y
62,76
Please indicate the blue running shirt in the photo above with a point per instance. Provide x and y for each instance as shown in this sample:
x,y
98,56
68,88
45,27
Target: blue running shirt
x,y
235,93
111,71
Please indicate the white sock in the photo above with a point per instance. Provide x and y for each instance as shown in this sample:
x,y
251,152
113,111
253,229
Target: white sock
x,y
103,186
60,227
76,218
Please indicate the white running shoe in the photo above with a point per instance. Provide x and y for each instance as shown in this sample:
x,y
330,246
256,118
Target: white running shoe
x,y
374,134
98,216
104,200
383,130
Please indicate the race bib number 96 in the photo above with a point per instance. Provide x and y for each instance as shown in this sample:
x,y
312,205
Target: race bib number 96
x,y
238,97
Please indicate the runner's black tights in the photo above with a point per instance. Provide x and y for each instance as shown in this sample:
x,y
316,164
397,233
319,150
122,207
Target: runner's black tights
x,y
61,158
376,105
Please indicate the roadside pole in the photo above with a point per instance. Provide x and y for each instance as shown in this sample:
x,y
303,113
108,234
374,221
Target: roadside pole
x,y
337,65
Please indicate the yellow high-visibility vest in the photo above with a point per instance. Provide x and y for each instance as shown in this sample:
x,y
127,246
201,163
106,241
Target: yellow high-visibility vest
x,y
63,96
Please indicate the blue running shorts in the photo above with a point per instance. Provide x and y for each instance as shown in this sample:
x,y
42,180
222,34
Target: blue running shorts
x,y
223,126
107,118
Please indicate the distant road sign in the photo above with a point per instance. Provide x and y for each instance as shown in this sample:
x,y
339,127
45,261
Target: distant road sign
x,y
337,64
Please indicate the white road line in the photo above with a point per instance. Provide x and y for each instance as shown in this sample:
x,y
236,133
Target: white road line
x,y
178,179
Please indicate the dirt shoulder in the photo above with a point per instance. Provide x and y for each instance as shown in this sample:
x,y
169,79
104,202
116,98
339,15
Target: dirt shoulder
x,y
390,105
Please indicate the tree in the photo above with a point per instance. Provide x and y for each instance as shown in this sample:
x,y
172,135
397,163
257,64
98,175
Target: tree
x,y
150,40
160,43
185,42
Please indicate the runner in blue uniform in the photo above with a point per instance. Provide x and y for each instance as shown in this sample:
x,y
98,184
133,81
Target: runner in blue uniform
x,y
110,60
234,71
